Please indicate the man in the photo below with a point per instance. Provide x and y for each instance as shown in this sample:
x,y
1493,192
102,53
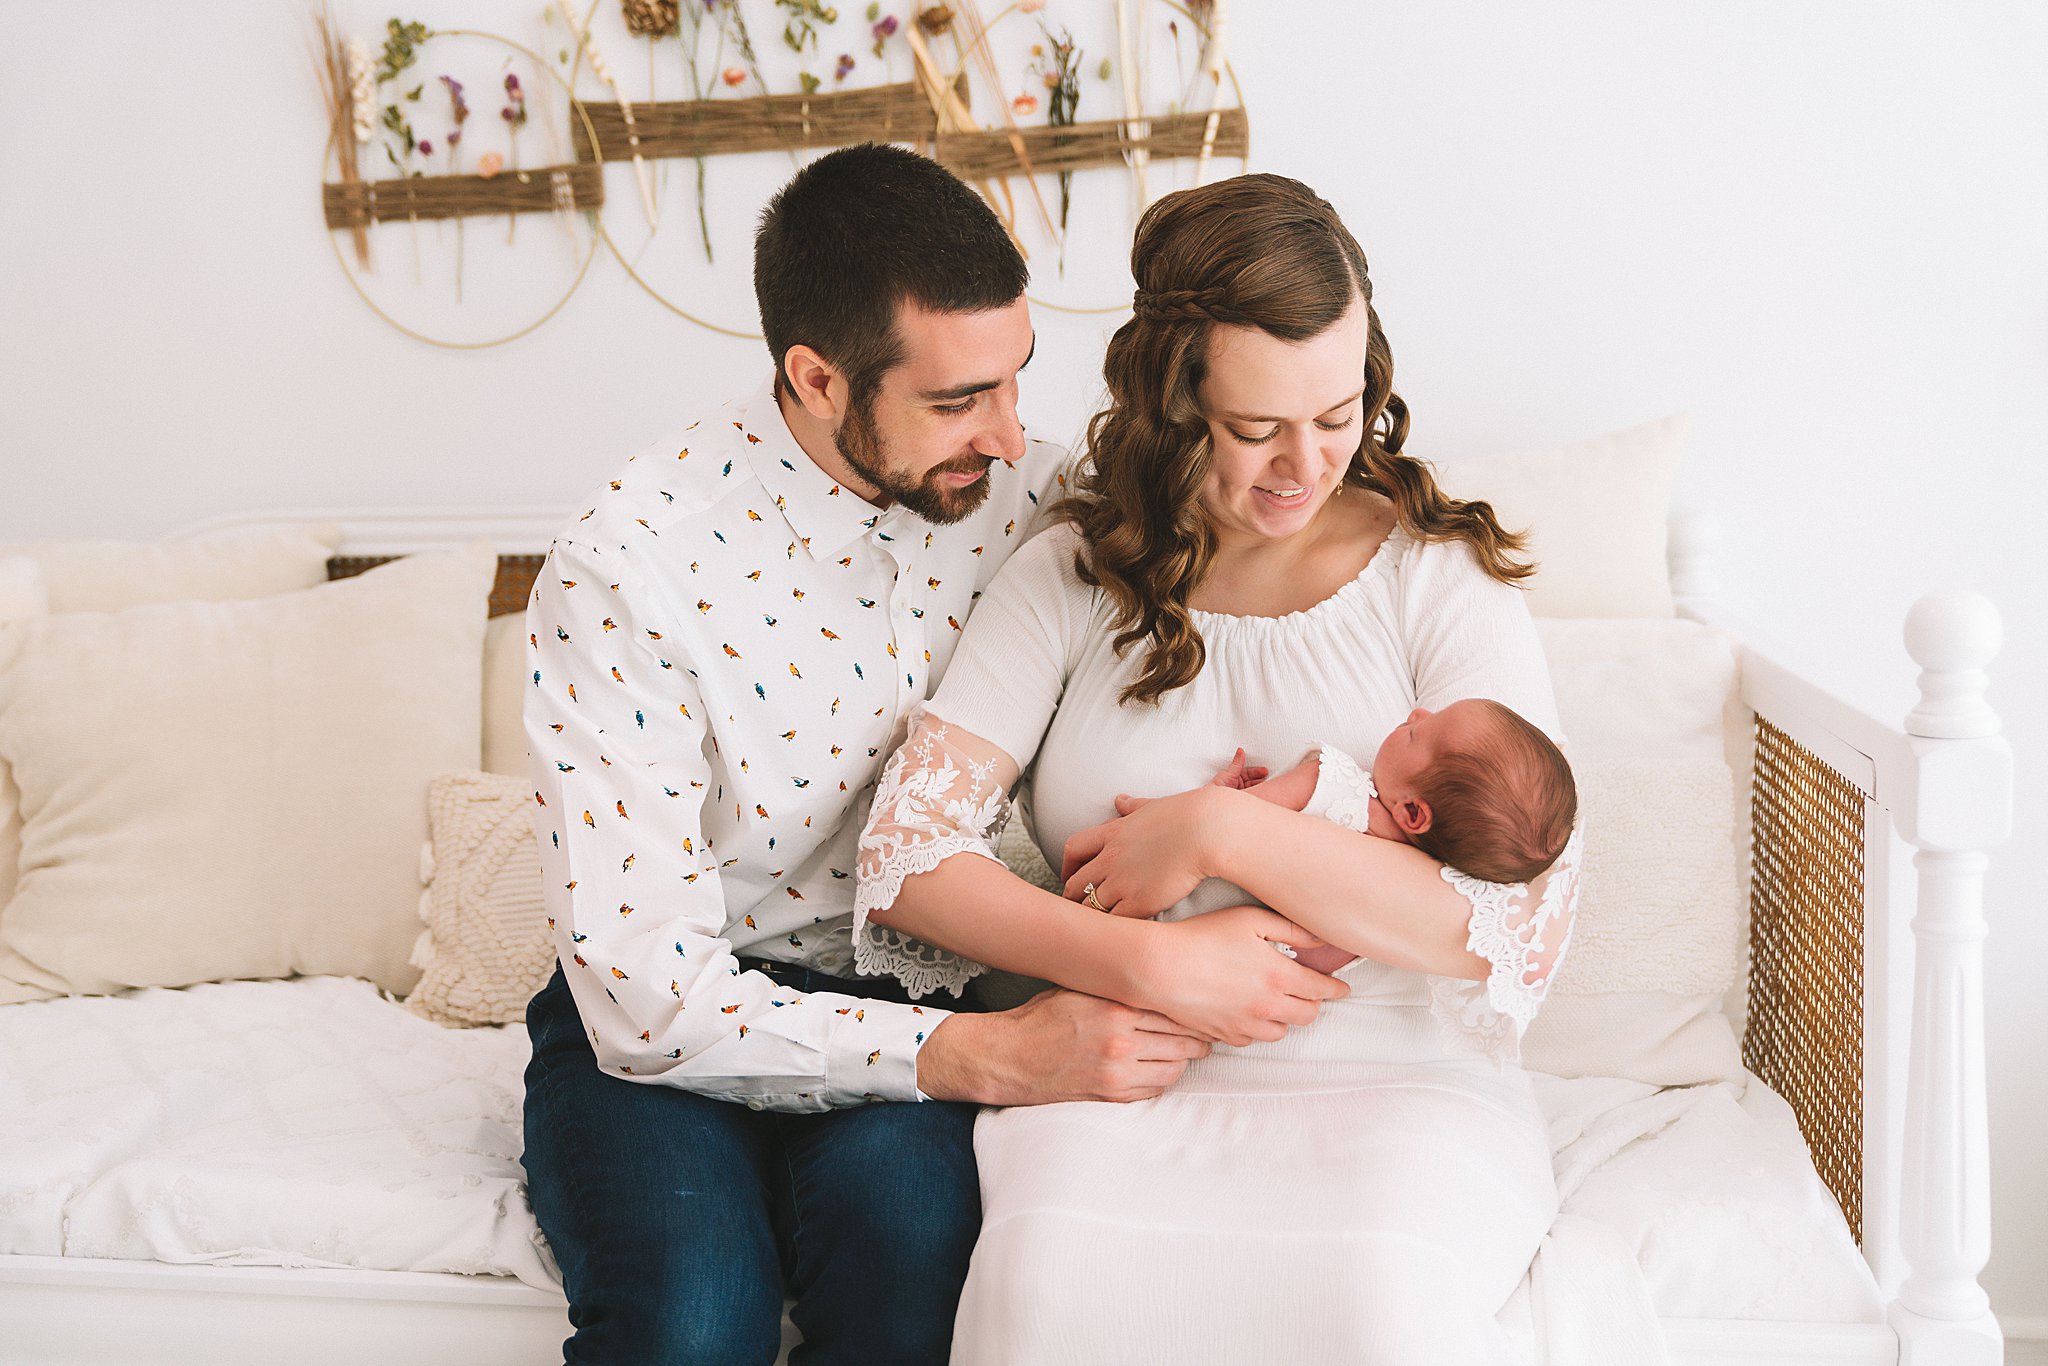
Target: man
x,y
725,645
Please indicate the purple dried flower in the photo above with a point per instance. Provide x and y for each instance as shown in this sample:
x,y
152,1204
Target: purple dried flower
x,y
511,83
455,138
426,148
886,27
845,66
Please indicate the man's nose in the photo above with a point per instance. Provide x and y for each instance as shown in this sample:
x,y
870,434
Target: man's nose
x,y
1003,435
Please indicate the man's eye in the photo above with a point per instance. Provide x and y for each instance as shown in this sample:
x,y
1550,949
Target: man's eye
x,y
954,409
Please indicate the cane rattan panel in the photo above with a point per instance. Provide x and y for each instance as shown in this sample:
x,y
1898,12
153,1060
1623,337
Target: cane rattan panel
x,y
516,574
1806,954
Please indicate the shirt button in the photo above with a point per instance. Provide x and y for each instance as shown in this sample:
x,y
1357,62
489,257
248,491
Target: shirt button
x,y
753,1105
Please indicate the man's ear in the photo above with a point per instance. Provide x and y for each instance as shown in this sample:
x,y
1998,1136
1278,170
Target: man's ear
x,y
1413,816
817,384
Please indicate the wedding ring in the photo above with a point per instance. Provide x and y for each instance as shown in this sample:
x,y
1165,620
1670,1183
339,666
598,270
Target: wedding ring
x,y
1088,898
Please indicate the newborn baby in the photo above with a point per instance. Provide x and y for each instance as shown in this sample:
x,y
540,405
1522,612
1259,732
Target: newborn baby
x,y
1474,786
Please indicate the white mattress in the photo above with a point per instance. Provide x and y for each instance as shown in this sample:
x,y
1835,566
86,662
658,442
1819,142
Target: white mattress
x,y
314,1123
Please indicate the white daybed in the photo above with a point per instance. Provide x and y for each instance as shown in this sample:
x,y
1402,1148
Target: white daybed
x,y
177,1187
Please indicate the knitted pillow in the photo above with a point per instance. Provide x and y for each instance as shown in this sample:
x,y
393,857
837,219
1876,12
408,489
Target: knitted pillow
x,y
1648,709
486,948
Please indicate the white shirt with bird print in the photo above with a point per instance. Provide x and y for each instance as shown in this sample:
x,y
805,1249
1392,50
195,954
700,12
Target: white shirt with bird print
x,y
723,651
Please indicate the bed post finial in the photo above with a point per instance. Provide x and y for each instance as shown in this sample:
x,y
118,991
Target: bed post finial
x,y
1952,636
1959,806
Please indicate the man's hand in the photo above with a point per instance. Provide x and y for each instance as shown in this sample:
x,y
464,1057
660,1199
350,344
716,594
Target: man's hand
x,y
1221,976
1059,1045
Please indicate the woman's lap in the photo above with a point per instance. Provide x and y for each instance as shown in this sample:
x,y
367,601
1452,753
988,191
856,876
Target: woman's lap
x,y
1367,1222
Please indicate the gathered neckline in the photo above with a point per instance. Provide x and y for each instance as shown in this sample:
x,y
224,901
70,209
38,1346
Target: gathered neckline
x,y
1216,624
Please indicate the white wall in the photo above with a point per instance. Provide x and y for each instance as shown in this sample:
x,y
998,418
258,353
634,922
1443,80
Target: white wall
x,y
1823,227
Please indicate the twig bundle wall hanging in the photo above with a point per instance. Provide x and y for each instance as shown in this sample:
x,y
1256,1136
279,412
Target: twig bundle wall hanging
x,y
1045,108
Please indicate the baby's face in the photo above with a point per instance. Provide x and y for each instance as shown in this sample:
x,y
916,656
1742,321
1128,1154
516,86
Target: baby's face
x,y
1414,744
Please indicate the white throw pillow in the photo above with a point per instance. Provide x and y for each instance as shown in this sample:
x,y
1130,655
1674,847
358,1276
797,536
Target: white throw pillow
x,y
486,948
224,790
111,576
1595,512
107,576
507,677
1661,917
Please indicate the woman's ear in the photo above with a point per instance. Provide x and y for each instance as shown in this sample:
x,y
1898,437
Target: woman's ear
x,y
816,383
1413,816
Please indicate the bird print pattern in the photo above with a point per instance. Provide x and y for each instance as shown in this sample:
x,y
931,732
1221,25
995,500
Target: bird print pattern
x,y
723,649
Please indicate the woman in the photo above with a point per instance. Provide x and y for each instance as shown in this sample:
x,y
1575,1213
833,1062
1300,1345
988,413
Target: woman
x,y
1249,560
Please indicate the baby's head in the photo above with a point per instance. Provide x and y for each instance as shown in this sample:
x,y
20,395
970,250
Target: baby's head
x,y
1478,788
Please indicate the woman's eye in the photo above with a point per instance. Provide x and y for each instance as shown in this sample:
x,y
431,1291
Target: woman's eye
x,y
1254,440
1338,426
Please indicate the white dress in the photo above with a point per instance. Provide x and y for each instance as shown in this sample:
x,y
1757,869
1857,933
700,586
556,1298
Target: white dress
x,y
1371,1188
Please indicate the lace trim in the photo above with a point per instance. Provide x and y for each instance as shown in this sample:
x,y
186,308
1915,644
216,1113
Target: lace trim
x,y
923,815
1495,1013
1344,791
882,950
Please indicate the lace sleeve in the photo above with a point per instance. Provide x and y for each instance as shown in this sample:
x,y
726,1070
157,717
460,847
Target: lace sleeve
x,y
945,791
1523,930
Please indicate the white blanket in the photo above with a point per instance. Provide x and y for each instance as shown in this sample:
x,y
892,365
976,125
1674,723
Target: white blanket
x,y
315,1123
300,1123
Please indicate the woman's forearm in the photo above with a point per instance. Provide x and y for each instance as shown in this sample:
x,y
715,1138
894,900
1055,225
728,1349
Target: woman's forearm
x,y
1374,897
979,909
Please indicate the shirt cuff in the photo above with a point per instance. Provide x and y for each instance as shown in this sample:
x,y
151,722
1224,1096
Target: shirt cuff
x,y
874,1050
1344,792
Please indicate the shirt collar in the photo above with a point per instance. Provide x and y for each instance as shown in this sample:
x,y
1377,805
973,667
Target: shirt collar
x,y
825,515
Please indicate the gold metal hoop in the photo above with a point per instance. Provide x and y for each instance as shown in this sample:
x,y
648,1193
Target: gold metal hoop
x,y
589,253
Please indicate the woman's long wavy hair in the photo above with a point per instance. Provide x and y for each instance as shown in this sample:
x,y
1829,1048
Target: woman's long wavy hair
x,y
1259,251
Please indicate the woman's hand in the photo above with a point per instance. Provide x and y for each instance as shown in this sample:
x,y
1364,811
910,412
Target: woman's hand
x,y
1221,976
1149,857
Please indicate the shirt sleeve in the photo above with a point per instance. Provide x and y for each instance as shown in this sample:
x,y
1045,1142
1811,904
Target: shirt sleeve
x,y
621,773
945,790
1470,635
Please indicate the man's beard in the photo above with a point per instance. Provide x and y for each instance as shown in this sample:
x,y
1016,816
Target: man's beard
x,y
867,455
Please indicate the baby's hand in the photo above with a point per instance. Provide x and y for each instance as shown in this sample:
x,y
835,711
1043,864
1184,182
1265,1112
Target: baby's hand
x,y
1239,775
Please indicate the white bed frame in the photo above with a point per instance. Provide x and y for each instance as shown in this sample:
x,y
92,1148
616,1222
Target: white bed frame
x,y
1942,785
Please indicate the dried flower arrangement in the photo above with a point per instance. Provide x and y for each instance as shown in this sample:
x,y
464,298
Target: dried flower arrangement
x,y
603,72
932,110
1057,65
344,67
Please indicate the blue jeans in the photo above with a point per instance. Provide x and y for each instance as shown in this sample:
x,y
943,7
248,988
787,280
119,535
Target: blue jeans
x,y
678,1220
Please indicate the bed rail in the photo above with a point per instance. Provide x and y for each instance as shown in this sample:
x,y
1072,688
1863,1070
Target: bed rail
x,y
1866,989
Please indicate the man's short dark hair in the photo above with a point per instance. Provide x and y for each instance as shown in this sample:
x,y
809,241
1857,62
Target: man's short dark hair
x,y
854,234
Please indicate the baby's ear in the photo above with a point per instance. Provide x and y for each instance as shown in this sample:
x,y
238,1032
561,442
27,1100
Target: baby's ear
x,y
1413,815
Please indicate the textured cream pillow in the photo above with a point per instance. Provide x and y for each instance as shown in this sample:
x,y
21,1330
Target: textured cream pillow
x,y
111,576
507,674
486,948
23,595
1595,512
224,790
1661,916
